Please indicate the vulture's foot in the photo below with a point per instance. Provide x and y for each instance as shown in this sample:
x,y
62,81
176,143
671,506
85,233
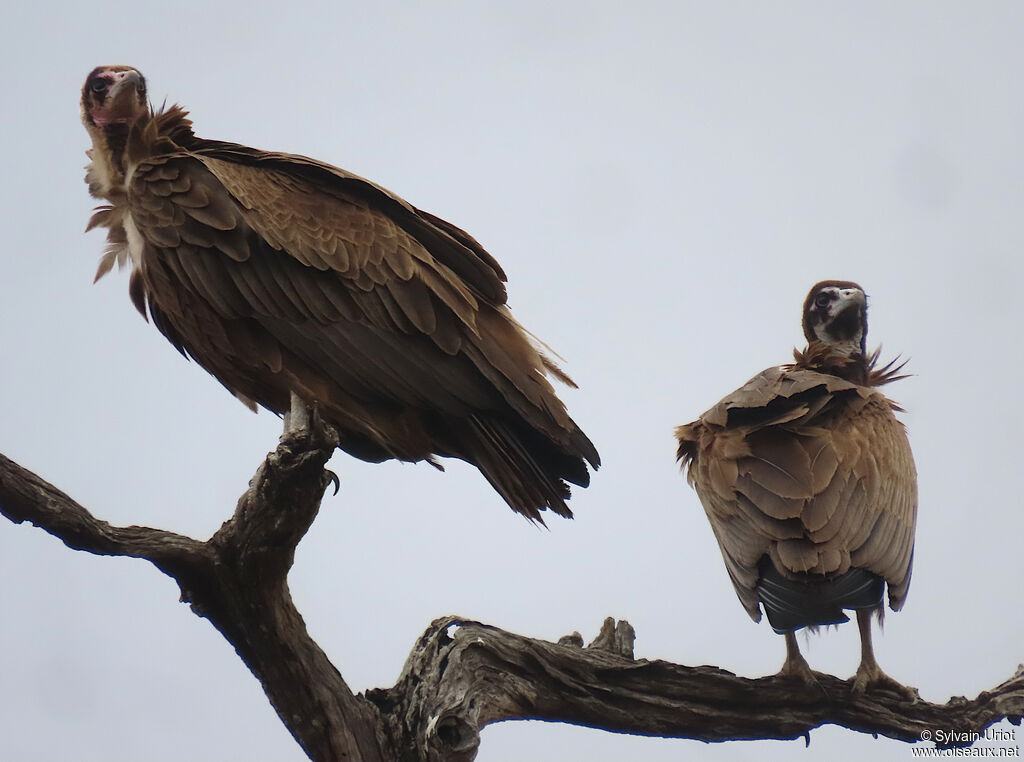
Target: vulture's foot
x,y
871,677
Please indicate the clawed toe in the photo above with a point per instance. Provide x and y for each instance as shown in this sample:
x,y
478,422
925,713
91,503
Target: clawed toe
x,y
805,676
796,667
877,680
333,479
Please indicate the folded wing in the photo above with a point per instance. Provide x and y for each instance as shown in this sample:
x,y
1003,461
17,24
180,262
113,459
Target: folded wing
x,y
278,273
810,471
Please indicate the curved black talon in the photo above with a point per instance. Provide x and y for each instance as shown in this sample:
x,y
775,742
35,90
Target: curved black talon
x,y
333,480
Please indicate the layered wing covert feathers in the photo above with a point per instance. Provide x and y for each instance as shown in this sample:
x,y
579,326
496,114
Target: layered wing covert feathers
x,y
811,470
279,273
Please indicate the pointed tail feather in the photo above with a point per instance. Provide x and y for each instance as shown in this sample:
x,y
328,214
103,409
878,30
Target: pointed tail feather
x,y
527,469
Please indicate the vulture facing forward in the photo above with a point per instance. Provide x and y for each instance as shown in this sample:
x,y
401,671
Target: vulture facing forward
x,y
296,283
809,484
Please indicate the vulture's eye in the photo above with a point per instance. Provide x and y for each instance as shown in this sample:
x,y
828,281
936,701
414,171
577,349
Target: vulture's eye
x,y
822,300
99,86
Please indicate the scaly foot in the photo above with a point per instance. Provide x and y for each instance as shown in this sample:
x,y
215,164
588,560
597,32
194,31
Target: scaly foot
x,y
871,676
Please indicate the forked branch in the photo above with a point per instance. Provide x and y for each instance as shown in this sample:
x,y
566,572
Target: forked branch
x,y
238,580
461,675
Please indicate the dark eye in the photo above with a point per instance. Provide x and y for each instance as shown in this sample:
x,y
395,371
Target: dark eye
x,y
822,300
99,86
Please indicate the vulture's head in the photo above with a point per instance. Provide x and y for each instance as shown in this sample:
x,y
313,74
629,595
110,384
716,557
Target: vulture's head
x,y
113,104
836,314
113,96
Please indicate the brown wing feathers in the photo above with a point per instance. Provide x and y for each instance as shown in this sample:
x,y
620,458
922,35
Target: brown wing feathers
x,y
452,246
277,273
813,475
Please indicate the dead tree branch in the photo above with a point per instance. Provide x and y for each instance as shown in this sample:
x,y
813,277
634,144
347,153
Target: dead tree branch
x,y
461,675
464,675
238,581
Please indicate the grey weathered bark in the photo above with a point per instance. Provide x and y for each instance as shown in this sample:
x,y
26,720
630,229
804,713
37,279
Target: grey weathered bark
x,y
461,675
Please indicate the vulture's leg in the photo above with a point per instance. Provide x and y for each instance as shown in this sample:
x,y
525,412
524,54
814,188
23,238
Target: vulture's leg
x,y
869,674
796,666
296,419
305,420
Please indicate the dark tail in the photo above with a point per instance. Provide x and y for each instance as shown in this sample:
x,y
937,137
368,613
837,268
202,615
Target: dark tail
x,y
792,604
528,469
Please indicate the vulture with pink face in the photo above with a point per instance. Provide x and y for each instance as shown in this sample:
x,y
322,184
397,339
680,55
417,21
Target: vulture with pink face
x,y
296,283
809,484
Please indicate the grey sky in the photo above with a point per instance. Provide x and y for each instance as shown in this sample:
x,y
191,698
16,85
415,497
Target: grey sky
x,y
662,182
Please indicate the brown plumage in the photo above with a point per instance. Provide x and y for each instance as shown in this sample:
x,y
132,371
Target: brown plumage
x,y
291,280
809,483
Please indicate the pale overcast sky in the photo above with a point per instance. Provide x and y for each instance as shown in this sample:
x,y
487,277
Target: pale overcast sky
x,y
662,182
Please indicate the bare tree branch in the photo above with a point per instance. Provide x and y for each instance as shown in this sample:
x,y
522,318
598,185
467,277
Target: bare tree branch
x,y
461,675
238,580
26,497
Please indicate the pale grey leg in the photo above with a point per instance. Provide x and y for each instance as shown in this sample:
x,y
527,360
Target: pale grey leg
x,y
869,674
796,666
296,419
